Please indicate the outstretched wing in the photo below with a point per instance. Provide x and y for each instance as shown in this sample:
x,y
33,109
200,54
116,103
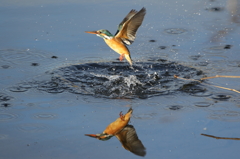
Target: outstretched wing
x,y
128,16
131,23
129,139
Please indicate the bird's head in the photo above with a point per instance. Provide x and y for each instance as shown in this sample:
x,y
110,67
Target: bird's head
x,y
102,136
105,34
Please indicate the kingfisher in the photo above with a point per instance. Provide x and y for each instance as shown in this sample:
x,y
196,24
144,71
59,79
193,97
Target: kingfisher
x,y
130,141
125,34
115,127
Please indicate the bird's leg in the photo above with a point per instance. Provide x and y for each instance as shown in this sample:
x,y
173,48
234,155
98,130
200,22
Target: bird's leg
x,y
121,116
121,57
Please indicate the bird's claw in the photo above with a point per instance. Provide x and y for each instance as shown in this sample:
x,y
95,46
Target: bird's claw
x,y
121,116
121,57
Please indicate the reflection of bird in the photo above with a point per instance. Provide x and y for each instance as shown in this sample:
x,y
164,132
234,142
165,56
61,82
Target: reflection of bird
x,y
115,127
125,34
129,139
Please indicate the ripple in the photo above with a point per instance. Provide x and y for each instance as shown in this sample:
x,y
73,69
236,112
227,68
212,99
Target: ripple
x,y
32,127
3,136
194,89
116,79
202,64
19,56
195,57
152,41
153,103
47,105
45,116
4,97
162,47
201,94
5,105
226,115
7,117
202,104
214,49
174,107
215,9
17,89
175,31
5,66
144,116
221,96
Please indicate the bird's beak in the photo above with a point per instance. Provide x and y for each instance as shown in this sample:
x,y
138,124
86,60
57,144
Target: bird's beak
x,y
92,135
92,32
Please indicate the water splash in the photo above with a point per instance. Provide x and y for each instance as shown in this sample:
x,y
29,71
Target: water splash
x,y
116,79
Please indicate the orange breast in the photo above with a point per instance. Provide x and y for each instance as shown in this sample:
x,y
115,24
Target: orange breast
x,y
117,45
118,125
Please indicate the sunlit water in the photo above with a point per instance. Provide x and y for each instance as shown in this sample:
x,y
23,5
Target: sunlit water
x,y
58,83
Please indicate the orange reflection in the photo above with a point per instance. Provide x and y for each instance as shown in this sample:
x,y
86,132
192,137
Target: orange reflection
x,y
124,132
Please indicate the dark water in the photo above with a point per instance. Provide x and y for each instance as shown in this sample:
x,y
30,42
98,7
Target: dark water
x,y
116,80
58,83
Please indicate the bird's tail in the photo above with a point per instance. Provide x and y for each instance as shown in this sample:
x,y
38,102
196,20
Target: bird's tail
x,y
128,58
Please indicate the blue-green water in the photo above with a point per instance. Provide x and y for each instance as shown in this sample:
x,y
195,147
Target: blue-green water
x,y
39,38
